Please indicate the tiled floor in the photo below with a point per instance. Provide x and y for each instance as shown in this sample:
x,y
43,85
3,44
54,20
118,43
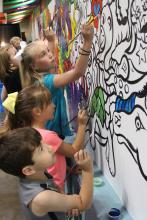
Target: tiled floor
x,y
9,201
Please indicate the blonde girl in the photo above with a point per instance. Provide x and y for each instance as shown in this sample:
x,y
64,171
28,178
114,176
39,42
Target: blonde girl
x,y
38,63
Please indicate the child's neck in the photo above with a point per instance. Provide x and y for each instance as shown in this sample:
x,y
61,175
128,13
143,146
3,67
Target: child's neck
x,y
38,124
38,176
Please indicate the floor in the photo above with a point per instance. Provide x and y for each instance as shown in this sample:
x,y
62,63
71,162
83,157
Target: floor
x,y
9,200
104,199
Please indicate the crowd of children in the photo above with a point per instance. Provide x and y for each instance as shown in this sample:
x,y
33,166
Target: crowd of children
x,y
32,142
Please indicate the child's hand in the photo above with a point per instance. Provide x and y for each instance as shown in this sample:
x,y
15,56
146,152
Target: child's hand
x,y
83,160
73,213
87,32
49,34
82,117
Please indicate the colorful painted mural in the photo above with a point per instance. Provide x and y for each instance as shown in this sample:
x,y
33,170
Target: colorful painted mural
x,y
114,88
115,83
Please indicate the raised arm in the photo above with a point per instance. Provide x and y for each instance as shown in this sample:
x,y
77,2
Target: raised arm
x,y
49,201
70,149
4,93
51,40
82,62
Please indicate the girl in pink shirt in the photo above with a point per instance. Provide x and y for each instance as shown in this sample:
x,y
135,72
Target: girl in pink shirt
x,y
33,107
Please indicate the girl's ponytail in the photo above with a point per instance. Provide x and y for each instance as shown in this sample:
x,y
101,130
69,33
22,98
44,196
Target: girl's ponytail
x,y
28,75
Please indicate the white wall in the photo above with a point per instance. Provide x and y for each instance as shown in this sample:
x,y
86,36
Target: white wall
x,y
1,5
117,84
117,79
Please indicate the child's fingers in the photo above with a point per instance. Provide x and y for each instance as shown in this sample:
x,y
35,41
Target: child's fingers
x,y
85,154
82,111
87,27
76,156
75,212
80,155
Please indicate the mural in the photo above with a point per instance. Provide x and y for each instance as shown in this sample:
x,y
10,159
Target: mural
x,y
117,81
115,85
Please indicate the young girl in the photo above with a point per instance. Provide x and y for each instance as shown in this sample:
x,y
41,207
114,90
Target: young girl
x,y
33,107
9,72
37,61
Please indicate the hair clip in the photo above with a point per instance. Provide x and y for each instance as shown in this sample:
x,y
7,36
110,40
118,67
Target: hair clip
x,y
10,102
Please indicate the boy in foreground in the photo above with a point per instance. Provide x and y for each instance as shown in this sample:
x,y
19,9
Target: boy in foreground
x,y
24,155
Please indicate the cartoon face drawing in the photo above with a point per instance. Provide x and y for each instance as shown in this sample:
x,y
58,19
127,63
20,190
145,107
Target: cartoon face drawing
x,y
105,28
139,19
135,137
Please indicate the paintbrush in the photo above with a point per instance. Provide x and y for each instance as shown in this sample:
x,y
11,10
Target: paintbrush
x,y
71,120
51,22
80,31
85,107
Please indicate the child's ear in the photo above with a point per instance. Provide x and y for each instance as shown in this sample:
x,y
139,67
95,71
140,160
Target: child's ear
x,y
36,111
28,170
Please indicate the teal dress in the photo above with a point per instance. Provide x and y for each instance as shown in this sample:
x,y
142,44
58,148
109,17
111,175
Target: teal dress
x,y
60,116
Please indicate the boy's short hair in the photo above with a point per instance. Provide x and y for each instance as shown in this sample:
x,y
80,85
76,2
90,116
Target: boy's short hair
x,y
16,149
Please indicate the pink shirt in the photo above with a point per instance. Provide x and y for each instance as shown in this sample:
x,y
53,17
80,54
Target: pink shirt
x,y
58,170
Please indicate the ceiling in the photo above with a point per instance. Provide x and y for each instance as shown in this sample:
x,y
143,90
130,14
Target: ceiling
x,y
17,10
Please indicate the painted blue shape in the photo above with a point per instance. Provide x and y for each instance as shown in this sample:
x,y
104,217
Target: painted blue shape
x,y
122,105
96,9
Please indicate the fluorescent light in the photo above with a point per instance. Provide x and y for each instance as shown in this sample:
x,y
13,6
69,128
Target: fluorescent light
x,y
3,44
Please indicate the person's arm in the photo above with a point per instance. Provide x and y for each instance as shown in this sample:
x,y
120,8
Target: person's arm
x,y
50,201
82,62
51,38
70,149
4,93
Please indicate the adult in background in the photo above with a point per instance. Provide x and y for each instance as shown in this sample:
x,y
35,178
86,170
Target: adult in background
x,y
19,45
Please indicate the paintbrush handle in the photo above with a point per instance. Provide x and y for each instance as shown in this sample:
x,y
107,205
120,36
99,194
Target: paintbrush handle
x,y
80,31
74,38
51,22
71,120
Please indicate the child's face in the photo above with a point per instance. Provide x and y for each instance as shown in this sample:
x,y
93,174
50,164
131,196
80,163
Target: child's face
x,y
43,58
48,112
43,157
17,45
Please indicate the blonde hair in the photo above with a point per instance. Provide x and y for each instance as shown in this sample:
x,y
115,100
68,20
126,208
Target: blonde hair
x,y
14,40
28,74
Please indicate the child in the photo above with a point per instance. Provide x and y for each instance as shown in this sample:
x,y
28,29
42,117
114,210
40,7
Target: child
x,y
33,107
9,72
37,61
23,154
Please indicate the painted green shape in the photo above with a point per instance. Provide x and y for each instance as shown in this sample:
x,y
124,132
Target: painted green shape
x,y
97,105
93,105
71,1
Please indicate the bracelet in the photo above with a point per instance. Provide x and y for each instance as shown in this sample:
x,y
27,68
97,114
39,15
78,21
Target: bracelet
x,y
84,54
86,51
